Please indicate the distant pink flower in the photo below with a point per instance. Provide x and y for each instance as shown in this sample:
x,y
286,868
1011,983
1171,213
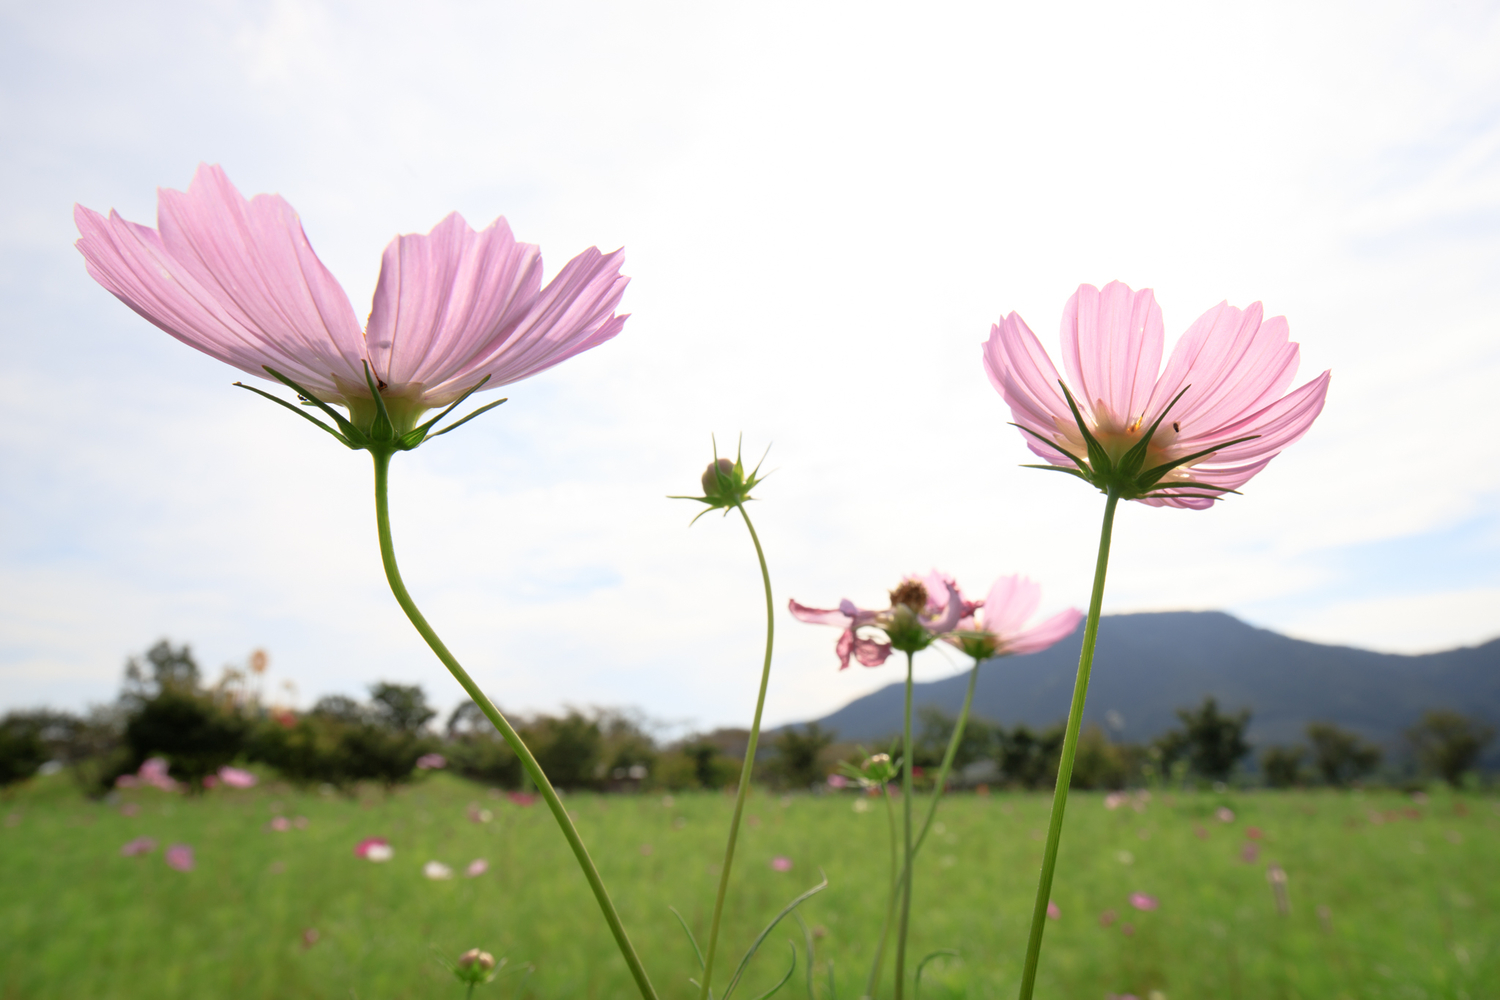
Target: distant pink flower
x,y
1253,832
154,772
431,762
1231,367
374,849
521,798
138,846
234,777
310,937
129,809
476,868
1114,800
1141,901
280,824
1108,917
1054,912
127,781
210,780
837,781
995,626
180,856
1224,814
920,604
1250,853
1200,833
238,280
781,863
1127,929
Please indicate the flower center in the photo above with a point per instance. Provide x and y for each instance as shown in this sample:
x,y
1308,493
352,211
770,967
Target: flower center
x,y
911,594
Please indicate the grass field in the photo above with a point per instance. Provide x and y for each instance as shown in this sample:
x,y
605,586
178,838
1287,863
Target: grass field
x,y
1388,897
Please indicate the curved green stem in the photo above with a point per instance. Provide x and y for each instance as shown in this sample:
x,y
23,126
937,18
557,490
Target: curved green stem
x,y
528,761
1070,749
906,794
746,768
890,900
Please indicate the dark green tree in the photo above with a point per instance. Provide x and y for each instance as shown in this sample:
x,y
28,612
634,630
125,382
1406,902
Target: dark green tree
x,y
1211,742
1339,756
1027,758
1448,743
568,749
22,749
1282,766
798,750
402,707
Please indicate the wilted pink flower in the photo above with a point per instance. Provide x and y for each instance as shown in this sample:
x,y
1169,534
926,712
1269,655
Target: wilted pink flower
x,y
1230,369
374,849
918,614
180,856
781,863
1141,901
431,762
995,626
476,868
235,777
280,824
1054,912
140,845
239,281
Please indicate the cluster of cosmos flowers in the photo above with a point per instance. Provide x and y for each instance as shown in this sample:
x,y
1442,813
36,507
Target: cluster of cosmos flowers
x,y
457,311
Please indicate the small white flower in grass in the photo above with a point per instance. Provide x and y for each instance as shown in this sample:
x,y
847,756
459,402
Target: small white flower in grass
x,y
437,871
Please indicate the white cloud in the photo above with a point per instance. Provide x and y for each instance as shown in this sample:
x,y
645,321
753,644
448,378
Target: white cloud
x,y
823,209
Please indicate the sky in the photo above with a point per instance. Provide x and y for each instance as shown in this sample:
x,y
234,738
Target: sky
x,y
823,207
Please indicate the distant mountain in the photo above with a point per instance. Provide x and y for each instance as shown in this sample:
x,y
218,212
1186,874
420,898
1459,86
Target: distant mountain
x,y
1148,665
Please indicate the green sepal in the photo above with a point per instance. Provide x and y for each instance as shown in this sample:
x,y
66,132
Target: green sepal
x,y
730,488
1059,468
454,427
1133,459
1153,475
301,413
418,434
351,432
1099,461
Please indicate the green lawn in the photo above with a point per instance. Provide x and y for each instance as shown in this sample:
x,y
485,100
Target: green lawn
x,y
1406,907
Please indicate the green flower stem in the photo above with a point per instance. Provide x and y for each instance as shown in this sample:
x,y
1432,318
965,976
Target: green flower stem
x,y
906,794
1070,749
746,768
937,794
890,900
528,761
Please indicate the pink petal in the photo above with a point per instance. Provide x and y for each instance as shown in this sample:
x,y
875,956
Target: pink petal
x,y
234,279
1234,365
869,653
1021,372
952,609
1011,602
1053,630
574,313
1111,348
818,616
447,297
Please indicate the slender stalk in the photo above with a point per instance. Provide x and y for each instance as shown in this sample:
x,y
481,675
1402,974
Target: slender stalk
x,y
937,794
1070,749
906,794
890,900
528,761
746,768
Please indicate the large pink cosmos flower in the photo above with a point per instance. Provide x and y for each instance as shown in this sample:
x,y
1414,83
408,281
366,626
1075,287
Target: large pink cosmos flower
x,y
1222,416
995,626
922,609
238,280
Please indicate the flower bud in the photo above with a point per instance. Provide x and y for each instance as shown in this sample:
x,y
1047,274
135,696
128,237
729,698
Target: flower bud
x,y
474,958
723,467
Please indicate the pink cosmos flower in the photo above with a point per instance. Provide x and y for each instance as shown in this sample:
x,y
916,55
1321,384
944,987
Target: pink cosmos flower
x,y
431,762
180,856
210,781
374,849
1141,901
995,626
476,868
234,777
239,281
1220,402
280,824
781,863
1054,912
521,798
138,846
154,772
921,610
837,781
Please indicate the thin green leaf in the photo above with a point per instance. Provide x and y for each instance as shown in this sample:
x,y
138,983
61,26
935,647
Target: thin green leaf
x,y
923,964
301,413
350,431
740,971
688,931
1098,457
1051,444
420,432
1136,456
1153,475
1059,468
784,979
454,427
807,939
